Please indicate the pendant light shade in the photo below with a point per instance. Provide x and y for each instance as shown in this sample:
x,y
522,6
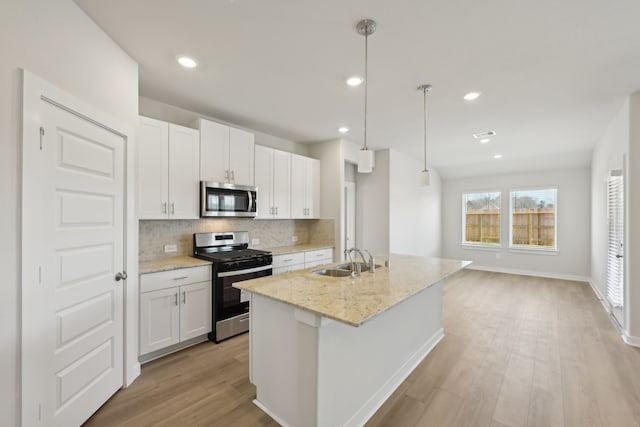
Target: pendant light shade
x,y
365,161
366,27
424,175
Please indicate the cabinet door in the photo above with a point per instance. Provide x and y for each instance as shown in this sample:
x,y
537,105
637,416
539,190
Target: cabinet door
x,y
159,319
184,156
195,310
152,164
241,151
282,183
298,186
264,180
214,151
312,193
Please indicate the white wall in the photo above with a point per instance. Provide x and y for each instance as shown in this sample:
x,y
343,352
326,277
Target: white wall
x,y
573,210
169,113
57,41
415,222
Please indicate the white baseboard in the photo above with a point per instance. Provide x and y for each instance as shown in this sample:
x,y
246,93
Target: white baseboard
x,y
631,340
572,277
375,402
132,374
600,297
270,413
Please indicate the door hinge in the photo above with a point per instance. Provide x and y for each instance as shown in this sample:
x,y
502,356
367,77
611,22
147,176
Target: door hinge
x,y
41,136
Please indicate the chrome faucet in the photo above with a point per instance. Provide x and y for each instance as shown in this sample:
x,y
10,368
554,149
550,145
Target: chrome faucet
x,y
356,267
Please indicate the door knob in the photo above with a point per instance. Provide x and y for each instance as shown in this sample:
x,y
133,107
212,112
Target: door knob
x,y
121,275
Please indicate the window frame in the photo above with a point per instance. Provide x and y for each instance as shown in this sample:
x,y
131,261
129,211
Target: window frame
x,y
531,248
463,223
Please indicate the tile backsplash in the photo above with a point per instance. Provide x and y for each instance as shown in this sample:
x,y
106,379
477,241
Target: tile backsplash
x,y
154,234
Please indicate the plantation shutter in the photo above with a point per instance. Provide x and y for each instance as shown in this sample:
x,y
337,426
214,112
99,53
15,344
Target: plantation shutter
x,y
615,264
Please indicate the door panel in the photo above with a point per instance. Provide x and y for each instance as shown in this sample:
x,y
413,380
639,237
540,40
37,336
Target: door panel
x,y
241,152
159,319
282,183
184,196
298,186
83,242
195,312
264,183
214,151
152,142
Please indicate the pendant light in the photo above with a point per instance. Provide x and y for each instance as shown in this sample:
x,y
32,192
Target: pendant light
x,y
425,172
366,27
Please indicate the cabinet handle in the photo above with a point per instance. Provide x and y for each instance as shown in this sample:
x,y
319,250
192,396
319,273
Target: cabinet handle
x,y
271,210
184,297
276,208
233,176
226,174
287,260
164,207
173,208
181,277
176,298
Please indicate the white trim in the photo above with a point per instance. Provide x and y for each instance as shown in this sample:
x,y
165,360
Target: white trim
x,y
463,221
599,295
572,277
267,411
482,247
377,400
555,220
631,340
532,250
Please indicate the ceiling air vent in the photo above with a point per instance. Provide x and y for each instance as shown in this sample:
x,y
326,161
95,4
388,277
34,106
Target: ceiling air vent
x,y
487,134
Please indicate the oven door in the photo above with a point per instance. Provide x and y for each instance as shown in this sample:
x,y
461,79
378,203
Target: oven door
x,y
229,301
227,200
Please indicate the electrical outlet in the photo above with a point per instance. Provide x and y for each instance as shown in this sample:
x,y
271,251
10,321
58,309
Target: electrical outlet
x,y
255,242
294,238
170,248
497,255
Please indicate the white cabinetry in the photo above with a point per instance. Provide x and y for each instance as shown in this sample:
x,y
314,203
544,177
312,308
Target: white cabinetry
x,y
305,187
226,153
167,167
300,260
273,179
174,306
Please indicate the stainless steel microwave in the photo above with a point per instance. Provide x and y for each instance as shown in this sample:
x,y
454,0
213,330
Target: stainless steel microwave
x,y
227,200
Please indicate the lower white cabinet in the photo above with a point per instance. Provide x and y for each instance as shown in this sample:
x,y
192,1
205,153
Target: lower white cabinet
x,y
172,309
293,261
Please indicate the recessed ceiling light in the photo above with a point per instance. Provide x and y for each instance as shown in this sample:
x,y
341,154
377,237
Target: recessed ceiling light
x,y
497,156
354,81
484,140
186,61
471,96
343,129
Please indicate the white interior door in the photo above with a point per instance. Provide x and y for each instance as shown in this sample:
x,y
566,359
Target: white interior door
x,y
76,363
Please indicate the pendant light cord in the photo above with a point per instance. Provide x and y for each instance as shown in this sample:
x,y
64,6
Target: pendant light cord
x,y
366,83
424,91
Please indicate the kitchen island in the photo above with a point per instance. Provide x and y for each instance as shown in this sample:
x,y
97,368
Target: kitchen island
x,y
328,351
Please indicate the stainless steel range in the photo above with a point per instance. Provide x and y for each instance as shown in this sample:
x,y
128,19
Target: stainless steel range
x,y
232,262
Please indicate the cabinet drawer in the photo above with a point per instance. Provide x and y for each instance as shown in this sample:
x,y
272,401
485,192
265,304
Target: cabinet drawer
x,y
288,259
311,264
318,255
168,279
288,268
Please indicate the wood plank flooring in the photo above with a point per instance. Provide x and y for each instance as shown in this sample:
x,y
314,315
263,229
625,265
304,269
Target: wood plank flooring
x,y
518,351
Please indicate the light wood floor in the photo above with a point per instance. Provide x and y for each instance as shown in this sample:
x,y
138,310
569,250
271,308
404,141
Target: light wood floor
x,y
518,351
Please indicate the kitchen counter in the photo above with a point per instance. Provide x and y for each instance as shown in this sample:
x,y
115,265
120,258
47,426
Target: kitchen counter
x,y
283,250
172,263
354,300
327,351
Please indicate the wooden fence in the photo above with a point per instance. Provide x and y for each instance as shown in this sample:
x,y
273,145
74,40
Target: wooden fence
x,y
534,227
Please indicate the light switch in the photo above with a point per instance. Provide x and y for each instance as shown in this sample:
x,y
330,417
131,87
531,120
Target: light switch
x,y
170,248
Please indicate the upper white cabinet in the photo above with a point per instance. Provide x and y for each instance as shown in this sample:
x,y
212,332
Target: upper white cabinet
x,y
226,153
305,187
168,170
273,179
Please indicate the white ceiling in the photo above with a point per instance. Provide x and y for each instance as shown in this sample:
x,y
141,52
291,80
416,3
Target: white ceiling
x,y
552,73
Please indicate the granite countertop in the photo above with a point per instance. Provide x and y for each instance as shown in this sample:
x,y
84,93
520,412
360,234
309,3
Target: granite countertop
x,y
298,248
172,263
354,300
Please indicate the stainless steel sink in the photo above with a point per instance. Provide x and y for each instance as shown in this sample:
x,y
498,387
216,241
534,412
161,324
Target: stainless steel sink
x,y
333,272
347,266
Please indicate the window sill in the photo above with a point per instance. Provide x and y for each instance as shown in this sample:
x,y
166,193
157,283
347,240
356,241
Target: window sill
x,y
485,247
533,251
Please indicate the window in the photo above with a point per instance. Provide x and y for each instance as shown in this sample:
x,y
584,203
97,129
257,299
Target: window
x,y
481,222
534,219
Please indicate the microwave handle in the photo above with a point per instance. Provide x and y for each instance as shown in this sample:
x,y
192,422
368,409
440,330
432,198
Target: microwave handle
x,y
251,201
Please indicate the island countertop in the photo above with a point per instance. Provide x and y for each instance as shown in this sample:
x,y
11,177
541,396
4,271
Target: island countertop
x,y
354,300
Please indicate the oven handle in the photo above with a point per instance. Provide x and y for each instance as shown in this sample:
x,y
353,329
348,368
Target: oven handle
x,y
240,272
